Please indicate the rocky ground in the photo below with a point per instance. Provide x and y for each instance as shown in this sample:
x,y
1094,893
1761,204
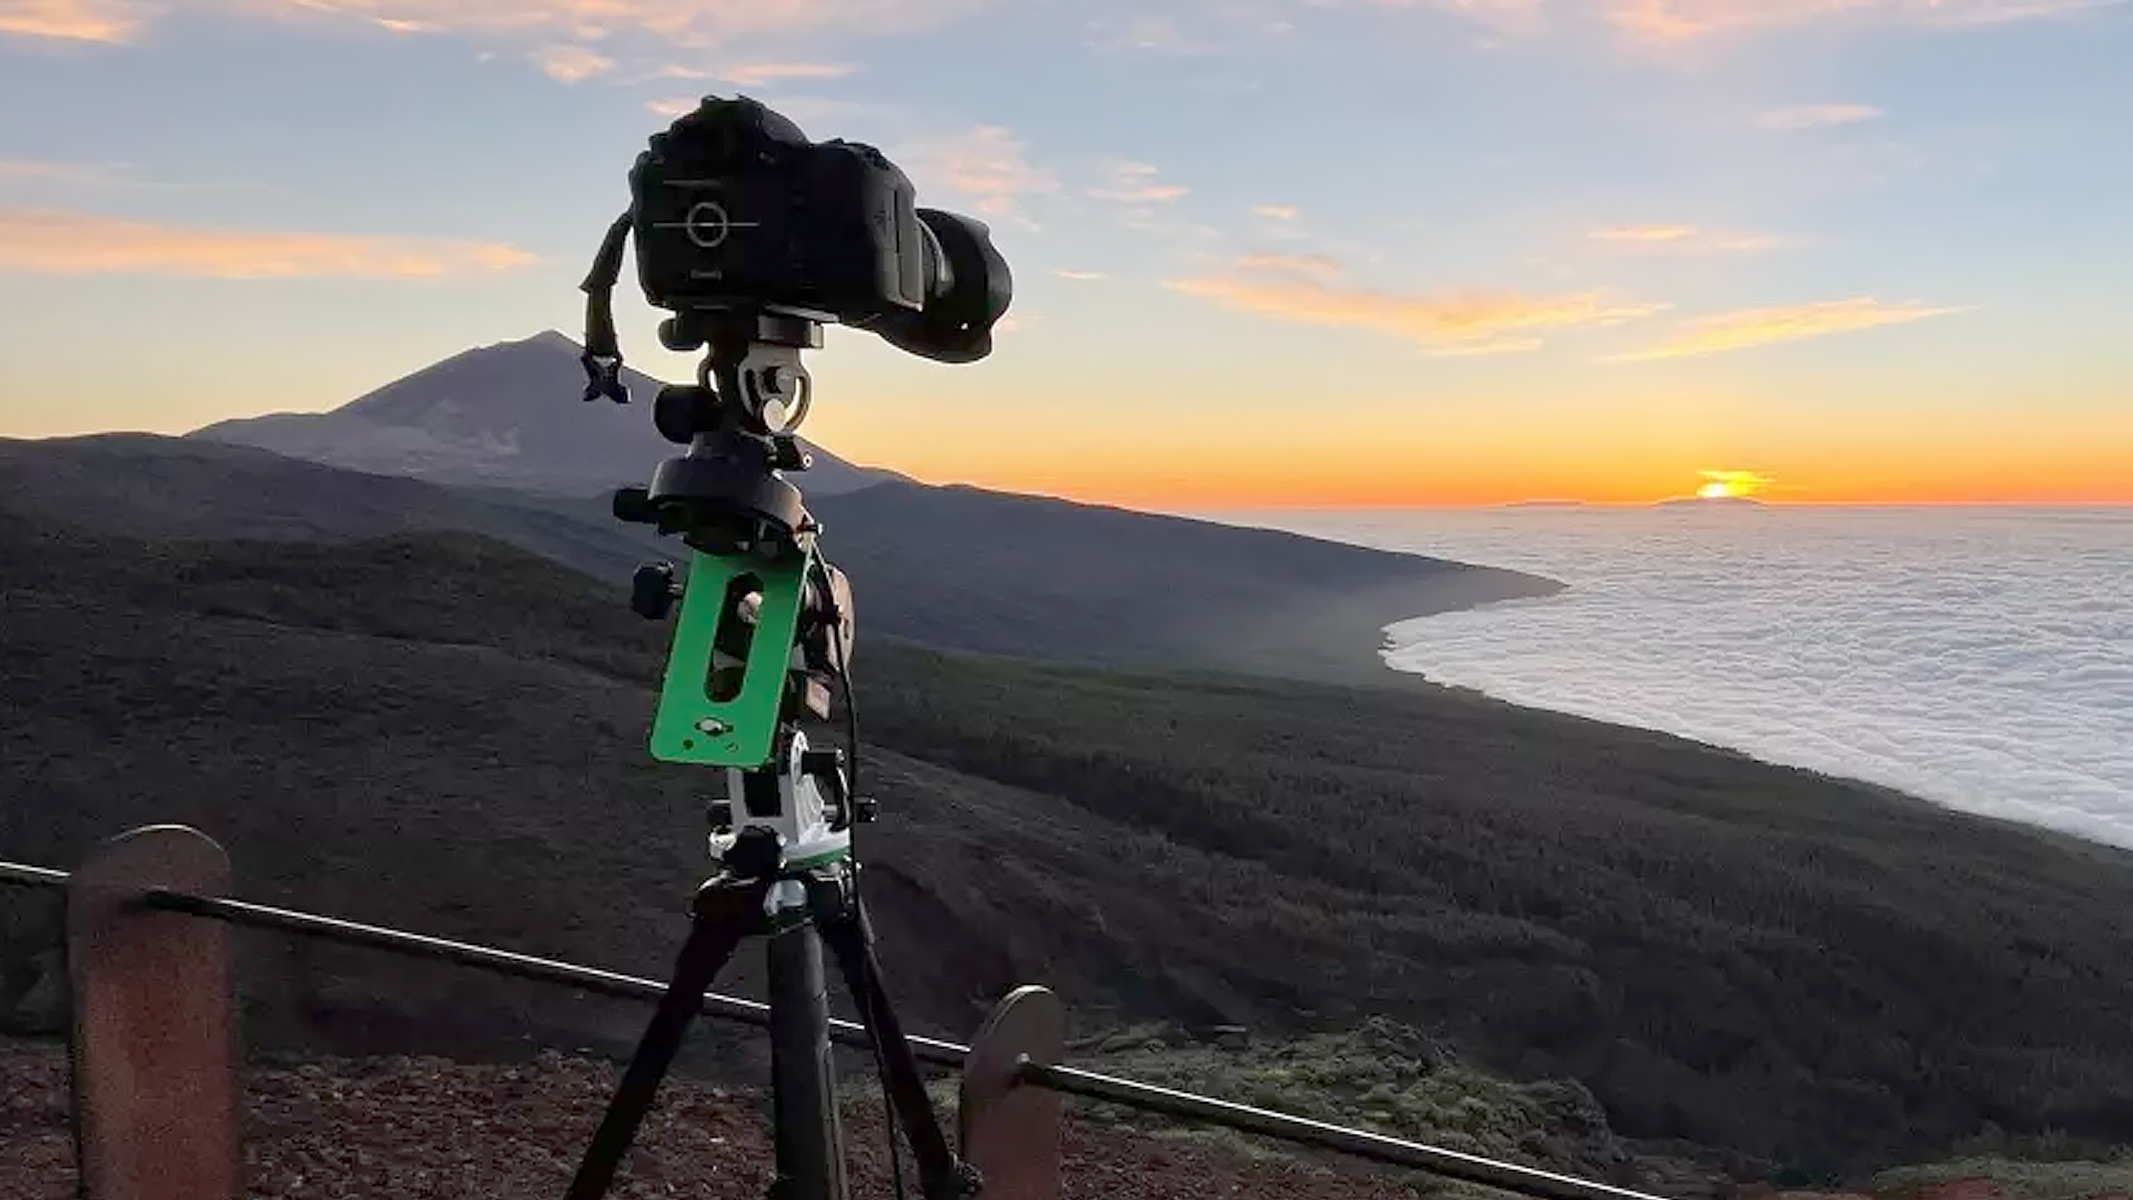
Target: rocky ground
x,y
420,1128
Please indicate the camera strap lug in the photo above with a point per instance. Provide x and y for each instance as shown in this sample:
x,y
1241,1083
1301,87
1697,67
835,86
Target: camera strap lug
x,y
603,355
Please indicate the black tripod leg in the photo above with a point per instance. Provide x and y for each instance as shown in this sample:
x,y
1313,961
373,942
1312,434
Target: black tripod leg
x,y
725,913
810,1141
942,1175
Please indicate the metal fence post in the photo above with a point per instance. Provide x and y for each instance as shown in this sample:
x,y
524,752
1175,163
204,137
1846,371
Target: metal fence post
x,y
154,1040
1009,1129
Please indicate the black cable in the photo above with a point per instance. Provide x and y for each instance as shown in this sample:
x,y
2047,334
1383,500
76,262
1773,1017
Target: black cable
x,y
851,726
851,793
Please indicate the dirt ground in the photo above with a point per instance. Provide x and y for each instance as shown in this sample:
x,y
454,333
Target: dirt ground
x,y
430,1129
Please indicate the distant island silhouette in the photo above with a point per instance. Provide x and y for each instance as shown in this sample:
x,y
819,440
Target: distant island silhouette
x,y
1711,502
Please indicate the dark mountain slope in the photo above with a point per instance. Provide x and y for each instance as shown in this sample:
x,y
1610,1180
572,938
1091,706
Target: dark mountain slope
x,y
444,732
1049,579
146,486
956,567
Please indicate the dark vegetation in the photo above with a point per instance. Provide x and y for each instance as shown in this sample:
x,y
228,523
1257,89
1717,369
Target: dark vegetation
x,y
441,731
1387,1077
953,567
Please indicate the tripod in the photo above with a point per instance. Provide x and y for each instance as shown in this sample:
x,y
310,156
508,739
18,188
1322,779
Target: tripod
x,y
799,912
764,635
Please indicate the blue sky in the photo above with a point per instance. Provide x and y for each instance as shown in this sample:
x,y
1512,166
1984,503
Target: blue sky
x,y
1266,251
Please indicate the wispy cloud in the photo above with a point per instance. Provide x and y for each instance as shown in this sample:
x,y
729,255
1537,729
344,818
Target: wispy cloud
x,y
1818,116
105,177
1147,33
1316,266
572,64
689,23
1644,233
1312,290
1081,276
805,109
1278,212
1682,237
754,74
760,73
50,242
988,165
96,174
701,23
1490,348
1135,183
1753,327
70,20
1673,21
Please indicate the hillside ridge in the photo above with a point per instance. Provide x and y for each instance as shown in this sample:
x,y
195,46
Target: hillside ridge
x,y
961,568
442,732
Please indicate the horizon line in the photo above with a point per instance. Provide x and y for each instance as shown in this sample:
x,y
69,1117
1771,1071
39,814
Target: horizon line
x,y
1154,504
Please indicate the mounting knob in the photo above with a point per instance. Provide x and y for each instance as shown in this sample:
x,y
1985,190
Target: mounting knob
x,y
787,454
682,411
634,505
653,591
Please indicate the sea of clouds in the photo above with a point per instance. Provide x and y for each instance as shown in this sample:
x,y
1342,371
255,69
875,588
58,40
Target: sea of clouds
x,y
1982,658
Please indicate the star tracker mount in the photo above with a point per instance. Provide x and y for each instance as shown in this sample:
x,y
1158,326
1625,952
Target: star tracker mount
x,y
754,238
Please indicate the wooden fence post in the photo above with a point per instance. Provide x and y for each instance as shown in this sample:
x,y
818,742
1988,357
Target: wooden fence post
x,y
154,1040
1010,1129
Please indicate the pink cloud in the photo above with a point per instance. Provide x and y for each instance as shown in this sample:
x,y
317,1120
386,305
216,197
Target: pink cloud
x,y
1673,21
1753,327
682,22
1818,116
988,165
572,64
1309,289
70,20
1135,183
50,242
1682,237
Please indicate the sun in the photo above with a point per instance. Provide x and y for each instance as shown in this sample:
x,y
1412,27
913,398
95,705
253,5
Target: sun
x,y
1732,485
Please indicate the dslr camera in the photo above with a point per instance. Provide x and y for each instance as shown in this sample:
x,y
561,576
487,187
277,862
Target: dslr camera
x,y
736,214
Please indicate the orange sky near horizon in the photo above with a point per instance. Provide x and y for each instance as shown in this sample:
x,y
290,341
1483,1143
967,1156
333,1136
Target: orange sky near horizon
x,y
1176,491
1509,446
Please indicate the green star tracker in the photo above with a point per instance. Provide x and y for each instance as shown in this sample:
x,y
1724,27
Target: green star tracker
x,y
723,709
754,238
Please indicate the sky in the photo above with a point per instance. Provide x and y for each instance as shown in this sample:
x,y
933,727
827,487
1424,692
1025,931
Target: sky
x,y
1266,252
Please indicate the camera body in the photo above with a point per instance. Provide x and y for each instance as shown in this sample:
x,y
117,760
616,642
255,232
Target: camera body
x,y
734,208
735,212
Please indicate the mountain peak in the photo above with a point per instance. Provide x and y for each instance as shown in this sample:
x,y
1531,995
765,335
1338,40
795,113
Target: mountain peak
x,y
551,338
508,414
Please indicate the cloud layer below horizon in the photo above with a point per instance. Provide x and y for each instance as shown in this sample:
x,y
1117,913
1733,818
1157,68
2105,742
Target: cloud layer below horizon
x,y
1983,660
